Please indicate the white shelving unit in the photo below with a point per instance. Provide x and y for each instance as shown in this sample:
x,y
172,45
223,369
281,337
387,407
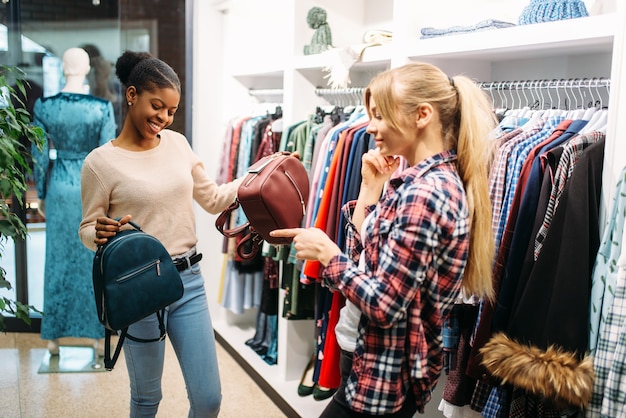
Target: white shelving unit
x,y
241,45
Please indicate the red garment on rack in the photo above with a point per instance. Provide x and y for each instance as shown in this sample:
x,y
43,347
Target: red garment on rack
x,y
312,269
234,147
330,372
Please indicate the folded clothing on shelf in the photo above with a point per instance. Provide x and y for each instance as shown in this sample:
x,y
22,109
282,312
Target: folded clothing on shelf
x,y
430,32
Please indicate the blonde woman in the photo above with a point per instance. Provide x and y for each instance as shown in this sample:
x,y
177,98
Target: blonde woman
x,y
415,247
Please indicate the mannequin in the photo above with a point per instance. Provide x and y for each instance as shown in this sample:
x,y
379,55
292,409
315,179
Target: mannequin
x,y
75,68
76,123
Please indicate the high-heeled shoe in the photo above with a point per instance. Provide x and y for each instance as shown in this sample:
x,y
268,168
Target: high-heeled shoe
x,y
320,393
305,388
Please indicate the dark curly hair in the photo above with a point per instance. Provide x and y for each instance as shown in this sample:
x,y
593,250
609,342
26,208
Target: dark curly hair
x,y
145,72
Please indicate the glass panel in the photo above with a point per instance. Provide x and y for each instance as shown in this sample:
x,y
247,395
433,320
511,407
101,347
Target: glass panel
x,y
34,34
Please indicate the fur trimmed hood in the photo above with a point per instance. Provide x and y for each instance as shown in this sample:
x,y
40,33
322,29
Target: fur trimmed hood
x,y
552,374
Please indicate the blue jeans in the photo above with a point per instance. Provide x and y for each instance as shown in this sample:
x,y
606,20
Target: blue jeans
x,y
189,329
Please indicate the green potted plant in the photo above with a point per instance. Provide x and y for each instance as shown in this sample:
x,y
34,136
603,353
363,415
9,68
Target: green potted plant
x,y
17,134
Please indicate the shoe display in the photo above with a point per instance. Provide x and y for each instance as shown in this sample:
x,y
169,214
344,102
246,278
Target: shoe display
x,y
305,388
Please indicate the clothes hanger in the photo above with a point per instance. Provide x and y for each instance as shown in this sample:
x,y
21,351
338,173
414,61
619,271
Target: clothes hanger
x,y
578,111
549,104
556,104
527,110
598,120
520,102
516,108
496,106
537,108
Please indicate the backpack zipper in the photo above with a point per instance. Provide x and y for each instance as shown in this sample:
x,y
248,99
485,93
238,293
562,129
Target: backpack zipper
x,y
140,270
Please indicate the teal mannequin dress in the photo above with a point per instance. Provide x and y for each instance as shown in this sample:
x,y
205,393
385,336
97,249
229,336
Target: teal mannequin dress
x,y
76,124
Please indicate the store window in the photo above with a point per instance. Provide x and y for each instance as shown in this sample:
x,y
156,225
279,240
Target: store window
x,y
34,34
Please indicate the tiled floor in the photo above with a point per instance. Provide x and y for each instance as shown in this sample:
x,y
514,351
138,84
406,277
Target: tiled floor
x,y
25,393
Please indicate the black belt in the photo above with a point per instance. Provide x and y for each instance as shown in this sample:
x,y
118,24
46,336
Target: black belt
x,y
184,263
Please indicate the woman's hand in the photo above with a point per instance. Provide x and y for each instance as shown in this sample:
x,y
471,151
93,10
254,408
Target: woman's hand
x,y
376,169
310,244
107,228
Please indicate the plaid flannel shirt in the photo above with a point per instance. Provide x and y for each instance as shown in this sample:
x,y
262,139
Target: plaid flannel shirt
x,y
416,251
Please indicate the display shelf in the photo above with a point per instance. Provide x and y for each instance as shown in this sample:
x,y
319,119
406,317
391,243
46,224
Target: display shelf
x,y
261,80
588,35
373,56
569,48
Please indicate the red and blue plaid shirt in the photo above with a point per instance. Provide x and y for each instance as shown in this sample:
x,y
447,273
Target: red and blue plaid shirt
x,y
415,253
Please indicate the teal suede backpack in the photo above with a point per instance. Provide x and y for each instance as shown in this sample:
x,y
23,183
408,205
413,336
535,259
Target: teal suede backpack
x,y
133,277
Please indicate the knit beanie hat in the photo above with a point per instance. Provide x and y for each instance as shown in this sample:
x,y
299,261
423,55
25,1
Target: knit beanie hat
x,y
549,10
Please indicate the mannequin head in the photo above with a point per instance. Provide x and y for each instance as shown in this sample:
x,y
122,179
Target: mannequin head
x,y
75,68
75,62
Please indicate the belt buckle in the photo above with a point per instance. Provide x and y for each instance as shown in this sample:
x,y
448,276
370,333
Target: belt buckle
x,y
181,262
184,263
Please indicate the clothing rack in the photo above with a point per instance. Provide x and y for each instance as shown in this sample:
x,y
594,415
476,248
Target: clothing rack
x,y
267,95
265,92
573,93
342,97
268,101
556,93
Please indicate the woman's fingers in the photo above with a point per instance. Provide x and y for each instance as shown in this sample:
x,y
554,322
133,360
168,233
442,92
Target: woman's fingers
x,y
107,227
125,219
285,233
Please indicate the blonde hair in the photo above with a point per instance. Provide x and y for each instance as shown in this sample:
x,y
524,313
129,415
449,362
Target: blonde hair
x,y
467,120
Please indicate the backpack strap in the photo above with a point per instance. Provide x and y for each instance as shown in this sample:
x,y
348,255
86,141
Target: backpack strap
x,y
109,361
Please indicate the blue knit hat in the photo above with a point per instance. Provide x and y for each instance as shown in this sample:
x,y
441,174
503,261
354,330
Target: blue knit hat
x,y
548,10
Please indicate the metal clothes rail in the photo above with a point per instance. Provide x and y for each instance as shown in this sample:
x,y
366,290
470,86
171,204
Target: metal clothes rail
x,y
569,93
342,97
573,93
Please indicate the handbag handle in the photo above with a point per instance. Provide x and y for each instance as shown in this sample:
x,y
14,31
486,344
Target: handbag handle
x,y
246,231
221,220
256,245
